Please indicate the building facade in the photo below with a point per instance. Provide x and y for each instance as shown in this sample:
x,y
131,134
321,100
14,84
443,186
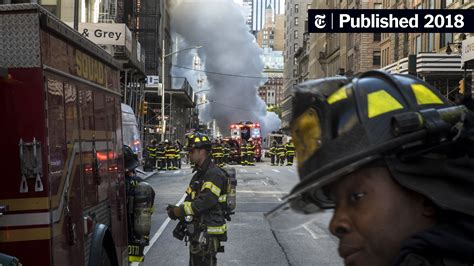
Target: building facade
x,y
295,25
272,33
352,53
256,12
426,55
271,91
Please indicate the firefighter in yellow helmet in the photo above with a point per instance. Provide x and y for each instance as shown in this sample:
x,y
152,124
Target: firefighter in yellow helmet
x,y
202,220
170,154
290,152
280,152
250,152
161,156
243,153
273,153
151,156
218,153
394,159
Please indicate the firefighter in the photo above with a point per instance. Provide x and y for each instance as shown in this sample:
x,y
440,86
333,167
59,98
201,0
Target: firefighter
x,y
243,153
178,147
170,154
250,152
226,148
280,153
161,156
273,153
151,156
290,152
217,153
202,220
140,200
399,175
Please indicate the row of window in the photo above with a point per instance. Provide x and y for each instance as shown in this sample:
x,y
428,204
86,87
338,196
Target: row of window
x,y
297,7
427,4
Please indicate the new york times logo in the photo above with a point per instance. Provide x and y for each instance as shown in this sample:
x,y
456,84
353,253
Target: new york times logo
x,y
396,20
320,21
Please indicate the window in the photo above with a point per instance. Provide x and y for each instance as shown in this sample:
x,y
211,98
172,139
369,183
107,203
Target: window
x,y
308,6
418,44
350,62
295,47
297,8
296,21
295,73
430,42
431,4
296,34
377,37
377,6
446,3
445,38
376,58
296,61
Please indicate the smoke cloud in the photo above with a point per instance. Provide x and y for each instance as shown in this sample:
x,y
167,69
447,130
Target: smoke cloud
x,y
227,47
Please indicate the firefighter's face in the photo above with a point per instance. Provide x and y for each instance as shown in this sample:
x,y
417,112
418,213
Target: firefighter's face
x,y
196,156
373,215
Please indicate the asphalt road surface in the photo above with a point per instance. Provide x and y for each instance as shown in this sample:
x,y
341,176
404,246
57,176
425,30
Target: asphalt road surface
x,y
251,240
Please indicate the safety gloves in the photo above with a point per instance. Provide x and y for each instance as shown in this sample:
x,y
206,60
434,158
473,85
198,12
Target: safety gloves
x,y
174,212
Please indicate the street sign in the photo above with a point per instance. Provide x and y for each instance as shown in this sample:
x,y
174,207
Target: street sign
x,y
152,81
106,33
467,50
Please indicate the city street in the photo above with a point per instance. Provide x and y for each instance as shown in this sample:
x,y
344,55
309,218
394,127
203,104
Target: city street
x,y
251,241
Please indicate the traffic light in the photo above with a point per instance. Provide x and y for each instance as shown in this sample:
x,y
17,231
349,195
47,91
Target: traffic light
x,y
461,86
144,107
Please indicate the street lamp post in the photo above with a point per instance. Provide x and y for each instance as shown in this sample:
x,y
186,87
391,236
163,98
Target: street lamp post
x,y
163,56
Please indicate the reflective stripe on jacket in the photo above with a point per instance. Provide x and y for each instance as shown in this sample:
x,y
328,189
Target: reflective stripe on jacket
x,y
202,197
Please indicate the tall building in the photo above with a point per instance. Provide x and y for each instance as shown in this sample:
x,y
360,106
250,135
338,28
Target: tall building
x,y
295,26
272,33
346,53
255,18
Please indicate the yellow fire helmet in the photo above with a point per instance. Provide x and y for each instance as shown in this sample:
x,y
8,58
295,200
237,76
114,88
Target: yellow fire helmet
x,y
341,125
198,141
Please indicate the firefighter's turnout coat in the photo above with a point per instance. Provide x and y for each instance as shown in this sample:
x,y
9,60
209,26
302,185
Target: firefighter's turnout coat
x,y
202,199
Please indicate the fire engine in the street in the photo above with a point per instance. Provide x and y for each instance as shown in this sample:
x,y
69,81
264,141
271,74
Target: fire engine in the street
x,y
62,198
244,131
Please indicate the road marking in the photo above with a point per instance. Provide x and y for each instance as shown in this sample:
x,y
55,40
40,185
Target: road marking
x,y
291,171
313,234
159,232
177,172
161,172
258,173
265,183
243,170
275,170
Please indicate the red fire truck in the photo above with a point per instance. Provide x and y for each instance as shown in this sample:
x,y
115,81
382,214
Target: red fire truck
x,y
62,197
244,131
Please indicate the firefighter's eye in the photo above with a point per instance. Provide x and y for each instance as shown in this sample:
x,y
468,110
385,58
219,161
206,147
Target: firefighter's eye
x,y
356,196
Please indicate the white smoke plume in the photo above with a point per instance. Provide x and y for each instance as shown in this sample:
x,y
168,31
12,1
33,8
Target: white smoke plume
x,y
227,47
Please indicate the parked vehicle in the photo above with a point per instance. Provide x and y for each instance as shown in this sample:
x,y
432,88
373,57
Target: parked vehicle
x,y
130,131
62,198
